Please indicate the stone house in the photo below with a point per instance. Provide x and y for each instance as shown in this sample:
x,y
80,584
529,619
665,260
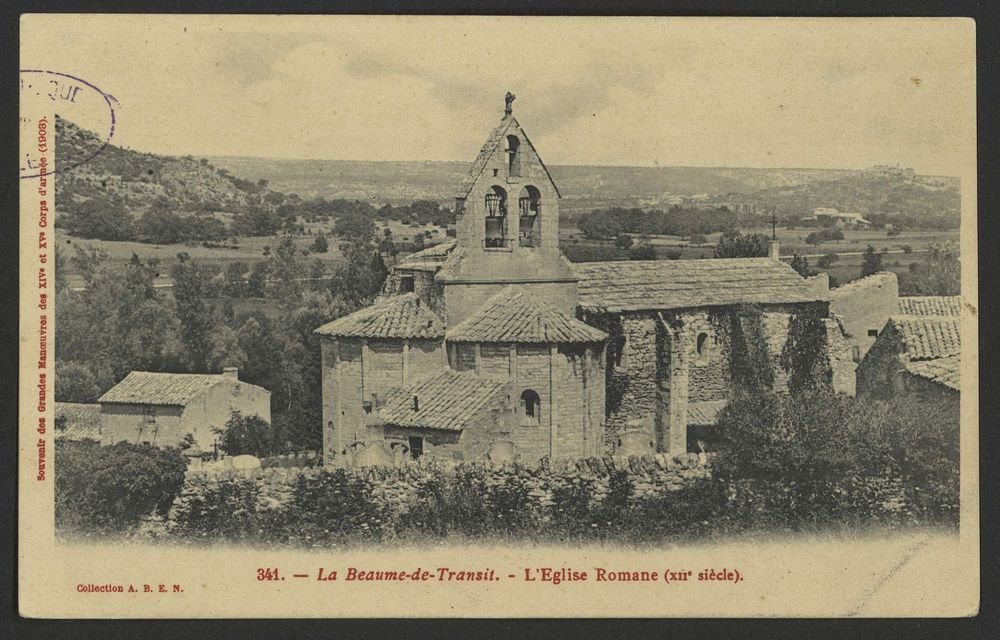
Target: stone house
x,y
495,344
864,305
162,408
914,354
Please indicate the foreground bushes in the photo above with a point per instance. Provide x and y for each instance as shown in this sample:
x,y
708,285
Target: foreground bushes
x,y
108,489
792,463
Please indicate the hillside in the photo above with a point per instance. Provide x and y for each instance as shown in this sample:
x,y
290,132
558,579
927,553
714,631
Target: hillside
x,y
138,179
877,192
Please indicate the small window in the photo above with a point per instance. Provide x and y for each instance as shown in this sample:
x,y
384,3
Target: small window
x,y
366,406
406,284
416,446
150,416
873,333
856,353
701,345
513,158
531,405
495,172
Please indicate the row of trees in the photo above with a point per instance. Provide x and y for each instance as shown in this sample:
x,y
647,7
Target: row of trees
x,y
606,224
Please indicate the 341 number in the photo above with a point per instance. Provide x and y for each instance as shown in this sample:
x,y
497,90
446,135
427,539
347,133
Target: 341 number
x,y
268,574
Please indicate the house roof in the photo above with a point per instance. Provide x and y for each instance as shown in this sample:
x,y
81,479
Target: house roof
x,y
929,337
635,285
428,259
82,421
449,401
705,413
403,316
493,141
944,371
515,316
172,389
930,305
884,278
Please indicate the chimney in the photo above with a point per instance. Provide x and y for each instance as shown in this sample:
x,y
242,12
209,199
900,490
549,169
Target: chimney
x,y
233,373
416,403
773,252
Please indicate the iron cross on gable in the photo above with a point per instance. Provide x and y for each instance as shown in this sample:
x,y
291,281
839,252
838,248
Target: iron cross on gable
x,y
508,100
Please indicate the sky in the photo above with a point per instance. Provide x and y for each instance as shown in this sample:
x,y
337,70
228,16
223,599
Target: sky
x,y
830,93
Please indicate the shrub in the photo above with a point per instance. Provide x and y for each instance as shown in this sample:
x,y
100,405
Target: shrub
x,y
223,509
246,435
332,506
104,489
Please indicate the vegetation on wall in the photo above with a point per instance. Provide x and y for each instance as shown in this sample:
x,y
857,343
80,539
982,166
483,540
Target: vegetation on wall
x,y
805,355
742,328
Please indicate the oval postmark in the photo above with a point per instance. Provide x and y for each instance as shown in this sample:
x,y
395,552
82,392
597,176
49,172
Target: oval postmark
x,y
76,100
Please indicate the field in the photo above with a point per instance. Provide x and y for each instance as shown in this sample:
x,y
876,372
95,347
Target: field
x,y
792,241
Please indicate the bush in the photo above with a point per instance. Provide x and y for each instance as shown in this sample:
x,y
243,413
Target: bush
x,y
225,509
332,506
248,435
108,489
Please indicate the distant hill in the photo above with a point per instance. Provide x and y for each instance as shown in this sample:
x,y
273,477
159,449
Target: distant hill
x,y
135,181
879,191
589,187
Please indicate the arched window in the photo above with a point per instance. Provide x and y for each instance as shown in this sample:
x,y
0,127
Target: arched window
x,y
531,406
513,157
529,207
701,346
496,218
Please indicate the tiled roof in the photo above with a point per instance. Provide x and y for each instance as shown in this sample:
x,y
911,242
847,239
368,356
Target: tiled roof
x,y
634,285
427,259
174,389
930,305
492,142
928,337
514,316
403,316
82,421
705,413
944,371
448,401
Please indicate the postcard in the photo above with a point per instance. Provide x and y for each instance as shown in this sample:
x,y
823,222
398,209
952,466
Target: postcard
x,y
428,316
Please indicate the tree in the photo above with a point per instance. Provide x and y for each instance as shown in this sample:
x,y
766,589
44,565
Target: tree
x,y
871,262
940,275
801,266
642,251
197,317
75,382
736,245
100,218
623,241
320,243
826,261
246,435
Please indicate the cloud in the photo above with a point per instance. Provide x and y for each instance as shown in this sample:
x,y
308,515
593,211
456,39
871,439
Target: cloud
x,y
590,91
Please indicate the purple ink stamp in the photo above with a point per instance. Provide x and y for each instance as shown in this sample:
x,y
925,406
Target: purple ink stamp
x,y
44,93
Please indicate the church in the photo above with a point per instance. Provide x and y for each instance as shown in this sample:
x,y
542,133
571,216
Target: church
x,y
495,346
